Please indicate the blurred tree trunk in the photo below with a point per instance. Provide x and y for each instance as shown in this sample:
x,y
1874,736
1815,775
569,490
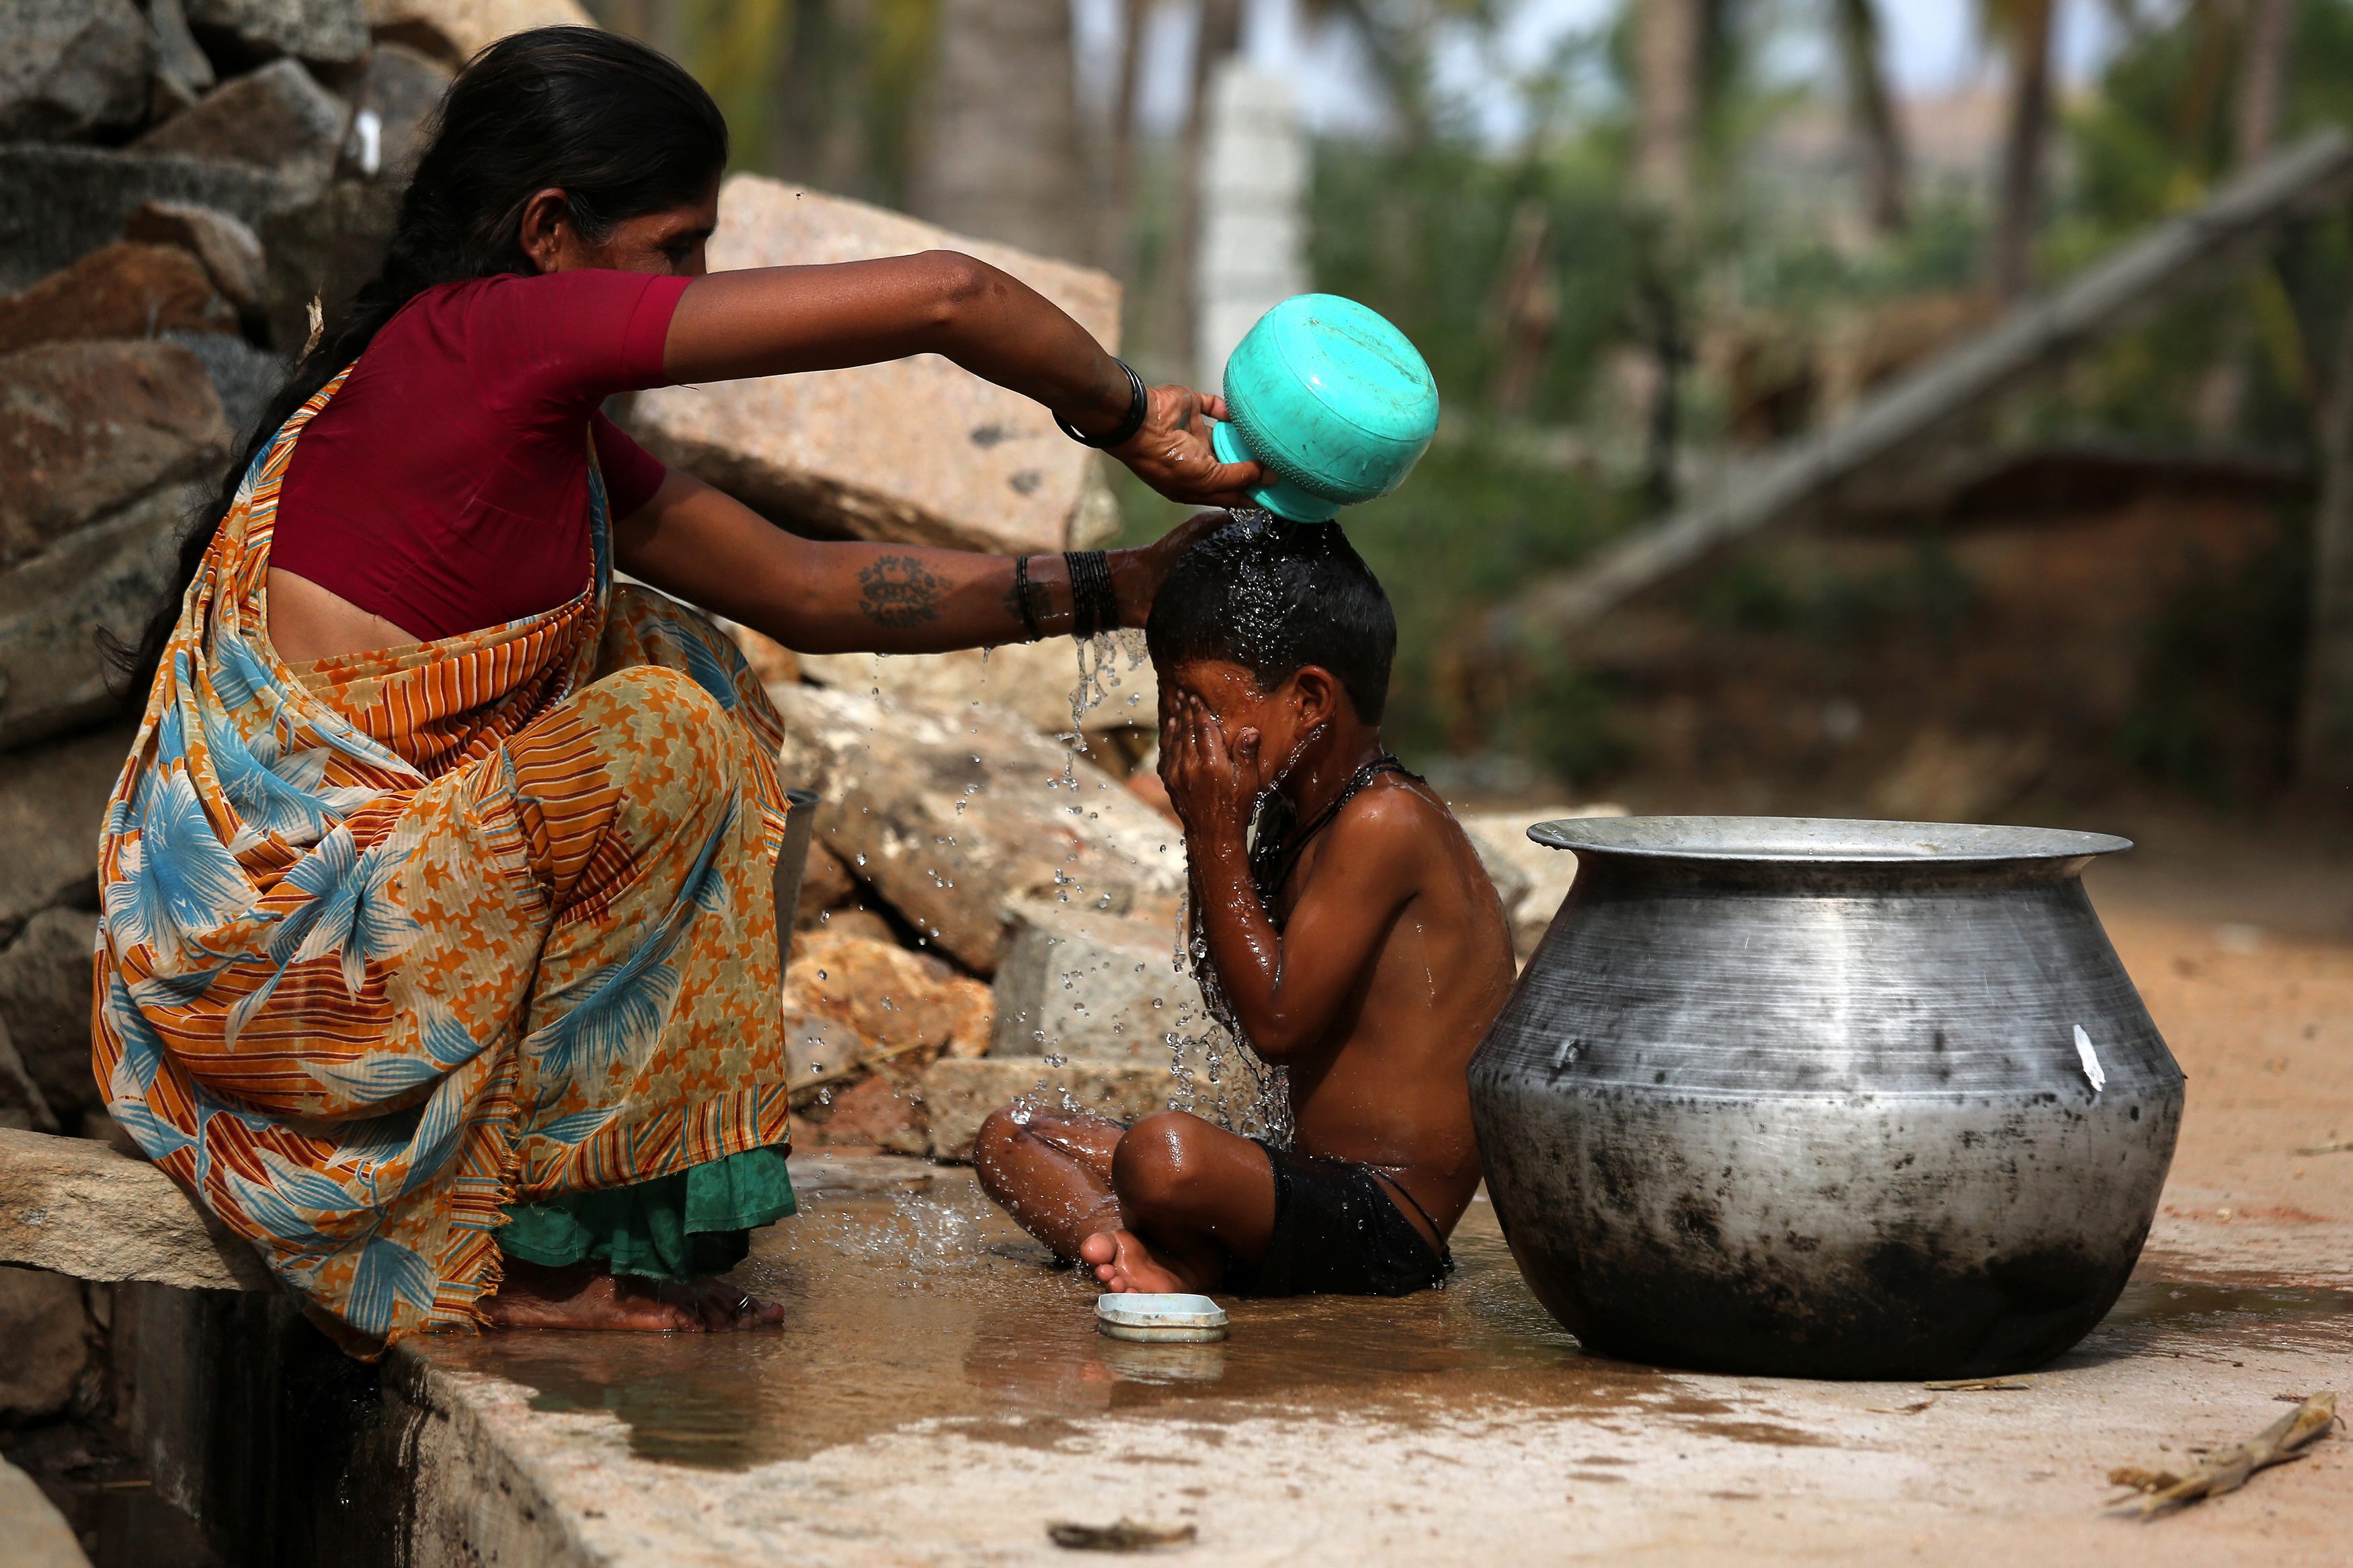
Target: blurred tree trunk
x,y
1670,69
1873,107
1115,241
1001,157
1217,36
2025,27
2325,741
819,133
2221,400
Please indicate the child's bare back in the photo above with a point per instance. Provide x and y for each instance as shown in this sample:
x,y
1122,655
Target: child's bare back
x,y
1356,937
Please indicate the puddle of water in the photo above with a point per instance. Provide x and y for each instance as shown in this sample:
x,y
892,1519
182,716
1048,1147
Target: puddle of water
x,y
933,1306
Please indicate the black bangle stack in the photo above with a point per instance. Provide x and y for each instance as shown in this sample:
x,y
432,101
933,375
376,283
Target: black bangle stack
x,y
1138,404
1022,598
1094,607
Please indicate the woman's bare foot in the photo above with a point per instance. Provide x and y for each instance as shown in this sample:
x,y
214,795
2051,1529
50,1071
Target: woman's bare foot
x,y
1122,1262
583,1297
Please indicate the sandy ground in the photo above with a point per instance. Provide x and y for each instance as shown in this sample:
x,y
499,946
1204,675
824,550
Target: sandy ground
x,y
941,1398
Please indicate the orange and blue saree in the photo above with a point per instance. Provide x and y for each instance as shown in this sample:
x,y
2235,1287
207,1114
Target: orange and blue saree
x,y
396,942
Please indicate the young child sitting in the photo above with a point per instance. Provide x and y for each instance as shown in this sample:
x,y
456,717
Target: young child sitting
x,y
1355,940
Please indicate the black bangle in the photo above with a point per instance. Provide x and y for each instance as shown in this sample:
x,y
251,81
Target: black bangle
x,y
1136,408
1021,597
1095,606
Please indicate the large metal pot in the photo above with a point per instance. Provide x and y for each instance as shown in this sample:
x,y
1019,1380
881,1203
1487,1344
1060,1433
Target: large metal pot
x,y
1826,1098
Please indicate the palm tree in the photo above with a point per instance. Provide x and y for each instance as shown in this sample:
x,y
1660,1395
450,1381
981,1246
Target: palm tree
x,y
1001,156
2022,27
1856,29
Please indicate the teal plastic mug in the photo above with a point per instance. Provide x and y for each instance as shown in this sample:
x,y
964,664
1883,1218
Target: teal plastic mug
x,y
1335,402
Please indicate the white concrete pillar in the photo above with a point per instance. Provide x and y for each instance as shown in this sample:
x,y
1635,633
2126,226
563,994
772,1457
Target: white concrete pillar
x,y
1254,250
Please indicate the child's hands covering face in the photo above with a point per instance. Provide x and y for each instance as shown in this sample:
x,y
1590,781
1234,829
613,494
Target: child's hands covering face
x,y
1213,779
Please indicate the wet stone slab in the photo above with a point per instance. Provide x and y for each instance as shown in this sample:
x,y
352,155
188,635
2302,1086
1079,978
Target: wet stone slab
x,y
939,1395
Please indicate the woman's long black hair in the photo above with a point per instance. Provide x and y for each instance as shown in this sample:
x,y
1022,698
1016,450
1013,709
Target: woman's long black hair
x,y
618,127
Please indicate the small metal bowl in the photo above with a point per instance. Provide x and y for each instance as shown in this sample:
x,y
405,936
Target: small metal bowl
x,y
1159,1319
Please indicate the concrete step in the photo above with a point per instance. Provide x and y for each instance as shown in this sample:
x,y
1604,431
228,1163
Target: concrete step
x,y
75,1207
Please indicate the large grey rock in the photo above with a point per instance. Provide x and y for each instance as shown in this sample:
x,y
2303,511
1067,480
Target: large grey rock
x,y
52,803
23,1106
402,89
951,816
456,30
75,1207
58,204
1090,987
86,428
958,1095
915,450
324,249
1037,680
107,577
122,290
45,978
47,1330
183,69
73,67
277,117
37,1533
244,378
230,250
329,32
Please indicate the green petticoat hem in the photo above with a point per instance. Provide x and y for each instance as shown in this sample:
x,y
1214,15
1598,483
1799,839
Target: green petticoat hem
x,y
695,1223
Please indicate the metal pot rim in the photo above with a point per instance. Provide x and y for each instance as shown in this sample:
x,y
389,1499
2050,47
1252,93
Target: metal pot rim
x,y
1819,840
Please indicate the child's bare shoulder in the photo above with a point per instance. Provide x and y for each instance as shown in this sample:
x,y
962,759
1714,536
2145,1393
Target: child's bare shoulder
x,y
1400,821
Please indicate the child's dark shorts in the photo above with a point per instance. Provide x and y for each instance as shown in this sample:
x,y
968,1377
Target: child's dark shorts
x,y
1338,1232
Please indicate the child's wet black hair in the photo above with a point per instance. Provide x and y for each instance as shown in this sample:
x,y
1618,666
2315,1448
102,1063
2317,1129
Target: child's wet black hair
x,y
1274,597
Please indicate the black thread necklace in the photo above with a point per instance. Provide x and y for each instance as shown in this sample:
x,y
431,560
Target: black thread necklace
x,y
1277,843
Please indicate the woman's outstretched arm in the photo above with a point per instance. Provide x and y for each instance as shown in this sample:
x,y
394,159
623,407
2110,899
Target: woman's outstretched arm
x,y
774,320
702,545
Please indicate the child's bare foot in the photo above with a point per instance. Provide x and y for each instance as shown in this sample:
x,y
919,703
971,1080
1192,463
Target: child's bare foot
x,y
1122,1262
582,1297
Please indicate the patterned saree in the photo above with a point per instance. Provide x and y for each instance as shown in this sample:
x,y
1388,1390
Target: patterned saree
x,y
396,944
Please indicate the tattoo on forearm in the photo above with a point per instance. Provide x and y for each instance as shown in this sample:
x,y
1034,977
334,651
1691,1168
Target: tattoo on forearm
x,y
897,591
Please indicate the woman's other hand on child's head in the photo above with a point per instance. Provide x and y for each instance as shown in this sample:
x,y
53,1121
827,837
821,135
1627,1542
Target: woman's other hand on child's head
x,y
1136,574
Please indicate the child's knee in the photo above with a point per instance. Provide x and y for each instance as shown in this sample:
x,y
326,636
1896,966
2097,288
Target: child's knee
x,y
1157,1160
1001,1130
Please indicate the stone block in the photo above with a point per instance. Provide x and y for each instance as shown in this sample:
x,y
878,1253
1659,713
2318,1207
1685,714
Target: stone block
x,y
916,450
1089,987
826,885
59,203
402,89
47,1331
456,30
1037,680
277,117
107,577
896,1000
324,249
951,817
52,803
44,987
23,1106
879,1112
226,244
1532,878
37,1533
86,428
183,71
75,1207
817,1047
124,291
959,1095
244,378
73,67
327,32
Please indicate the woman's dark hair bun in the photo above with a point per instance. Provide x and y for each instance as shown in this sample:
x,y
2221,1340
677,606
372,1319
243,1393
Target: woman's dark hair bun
x,y
621,129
